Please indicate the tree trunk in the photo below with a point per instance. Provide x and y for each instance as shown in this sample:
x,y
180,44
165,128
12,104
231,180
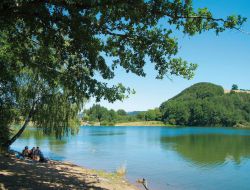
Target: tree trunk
x,y
18,134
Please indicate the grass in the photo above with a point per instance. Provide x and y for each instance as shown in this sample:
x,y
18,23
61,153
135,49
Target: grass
x,y
134,123
114,177
122,170
242,125
142,123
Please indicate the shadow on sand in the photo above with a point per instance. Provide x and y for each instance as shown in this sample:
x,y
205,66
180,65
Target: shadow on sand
x,y
26,174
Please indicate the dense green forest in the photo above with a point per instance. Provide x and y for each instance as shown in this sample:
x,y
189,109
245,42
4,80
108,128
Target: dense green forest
x,y
203,104
206,104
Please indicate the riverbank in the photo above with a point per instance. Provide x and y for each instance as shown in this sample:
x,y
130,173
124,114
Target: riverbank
x,y
142,123
26,174
131,123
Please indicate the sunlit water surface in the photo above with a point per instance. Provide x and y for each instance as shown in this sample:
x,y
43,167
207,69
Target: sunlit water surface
x,y
169,158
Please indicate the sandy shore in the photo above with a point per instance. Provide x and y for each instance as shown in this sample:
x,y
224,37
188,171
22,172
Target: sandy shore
x,y
26,174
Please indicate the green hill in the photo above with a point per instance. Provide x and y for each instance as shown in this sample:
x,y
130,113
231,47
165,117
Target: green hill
x,y
200,91
205,104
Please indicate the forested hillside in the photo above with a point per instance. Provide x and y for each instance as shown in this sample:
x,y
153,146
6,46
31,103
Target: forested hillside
x,y
205,104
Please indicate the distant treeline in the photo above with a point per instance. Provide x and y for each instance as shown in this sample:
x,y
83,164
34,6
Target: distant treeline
x,y
203,104
104,116
244,89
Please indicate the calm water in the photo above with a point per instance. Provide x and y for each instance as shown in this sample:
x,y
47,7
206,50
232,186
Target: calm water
x,y
169,158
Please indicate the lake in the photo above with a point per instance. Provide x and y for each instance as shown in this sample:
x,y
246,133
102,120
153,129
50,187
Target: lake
x,y
169,158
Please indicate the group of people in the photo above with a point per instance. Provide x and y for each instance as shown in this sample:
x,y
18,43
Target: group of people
x,y
34,154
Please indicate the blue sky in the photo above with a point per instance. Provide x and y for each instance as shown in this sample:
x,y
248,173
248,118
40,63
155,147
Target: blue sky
x,y
223,60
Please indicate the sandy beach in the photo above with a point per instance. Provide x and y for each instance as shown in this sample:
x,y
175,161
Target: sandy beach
x,y
27,174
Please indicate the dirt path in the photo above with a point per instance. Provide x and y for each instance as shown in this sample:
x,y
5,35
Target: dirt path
x,y
26,174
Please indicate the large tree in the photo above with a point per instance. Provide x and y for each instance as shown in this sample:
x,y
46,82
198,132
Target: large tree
x,y
51,52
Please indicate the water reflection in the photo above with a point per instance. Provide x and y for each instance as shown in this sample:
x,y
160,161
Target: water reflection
x,y
102,133
32,133
209,150
160,154
36,137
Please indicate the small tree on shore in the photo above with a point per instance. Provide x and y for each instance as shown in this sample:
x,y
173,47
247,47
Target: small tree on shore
x,y
235,87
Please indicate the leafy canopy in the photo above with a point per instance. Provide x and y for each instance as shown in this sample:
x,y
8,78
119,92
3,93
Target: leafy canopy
x,y
67,41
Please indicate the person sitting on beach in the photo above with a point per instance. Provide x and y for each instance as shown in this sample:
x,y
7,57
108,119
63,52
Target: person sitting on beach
x,y
38,155
25,152
32,153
